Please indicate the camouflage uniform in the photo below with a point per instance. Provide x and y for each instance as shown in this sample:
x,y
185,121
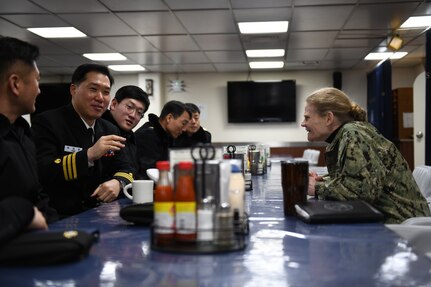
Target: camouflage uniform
x,y
362,164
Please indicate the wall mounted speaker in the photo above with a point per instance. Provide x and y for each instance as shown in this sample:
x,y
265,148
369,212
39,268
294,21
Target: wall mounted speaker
x,y
337,80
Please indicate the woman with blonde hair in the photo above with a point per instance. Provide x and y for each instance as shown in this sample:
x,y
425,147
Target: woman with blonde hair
x,y
362,163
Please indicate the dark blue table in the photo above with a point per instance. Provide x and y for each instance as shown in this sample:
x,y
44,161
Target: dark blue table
x,y
281,252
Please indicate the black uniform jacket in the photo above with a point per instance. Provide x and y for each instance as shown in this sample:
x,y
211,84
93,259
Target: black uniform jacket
x,y
130,149
201,136
62,141
16,213
153,144
20,189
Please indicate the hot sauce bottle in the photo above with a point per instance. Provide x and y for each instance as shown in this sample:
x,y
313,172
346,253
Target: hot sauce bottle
x,y
164,209
185,203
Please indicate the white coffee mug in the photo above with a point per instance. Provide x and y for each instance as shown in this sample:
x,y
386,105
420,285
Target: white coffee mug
x,y
142,191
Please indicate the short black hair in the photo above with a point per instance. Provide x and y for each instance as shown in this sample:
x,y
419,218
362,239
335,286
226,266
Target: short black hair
x,y
193,108
13,50
81,72
133,92
176,108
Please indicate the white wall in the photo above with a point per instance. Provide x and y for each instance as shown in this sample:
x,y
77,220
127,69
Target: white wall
x,y
209,90
404,77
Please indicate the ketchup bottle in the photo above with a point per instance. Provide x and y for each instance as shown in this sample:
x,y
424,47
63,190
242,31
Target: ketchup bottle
x,y
185,203
164,209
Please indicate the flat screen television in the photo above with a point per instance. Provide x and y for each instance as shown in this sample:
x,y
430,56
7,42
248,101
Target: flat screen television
x,y
259,102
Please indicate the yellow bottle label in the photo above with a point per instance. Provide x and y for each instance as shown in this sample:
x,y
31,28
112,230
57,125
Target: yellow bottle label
x,y
164,207
185,206
185,218
164,217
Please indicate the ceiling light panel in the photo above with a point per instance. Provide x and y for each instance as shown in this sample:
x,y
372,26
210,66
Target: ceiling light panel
x,y
265,53
417,21
105,56
377,56
384,56
57,32
266,65
263,27
398,55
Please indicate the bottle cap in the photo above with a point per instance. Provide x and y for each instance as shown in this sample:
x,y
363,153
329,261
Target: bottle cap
x,y
185,165
163,165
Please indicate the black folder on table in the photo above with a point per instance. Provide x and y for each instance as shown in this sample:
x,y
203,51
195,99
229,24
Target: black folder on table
x,y
325,211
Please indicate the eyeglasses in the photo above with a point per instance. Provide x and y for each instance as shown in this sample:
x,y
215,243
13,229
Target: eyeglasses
x,y
130,109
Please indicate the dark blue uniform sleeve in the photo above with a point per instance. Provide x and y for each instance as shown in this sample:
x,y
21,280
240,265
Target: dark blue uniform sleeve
x,y
53,164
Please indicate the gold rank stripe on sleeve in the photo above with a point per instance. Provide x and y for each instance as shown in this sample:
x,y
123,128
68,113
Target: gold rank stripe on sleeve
x,y
125,175
69,167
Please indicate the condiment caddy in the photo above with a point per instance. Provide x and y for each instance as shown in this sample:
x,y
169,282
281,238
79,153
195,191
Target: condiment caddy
x,y
195,215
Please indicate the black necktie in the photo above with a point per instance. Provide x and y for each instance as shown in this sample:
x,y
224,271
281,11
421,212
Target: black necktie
x,y
91,135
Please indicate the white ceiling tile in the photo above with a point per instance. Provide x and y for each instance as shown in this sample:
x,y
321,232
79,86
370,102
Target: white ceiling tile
x,y
311,39
46,61
418,41
11,30
323,2
209,21
198,4
69,60
315,18
40,20
351,43
218,41
82,45
135,5
187,57
231,67
226,56
264,41
410,33
423,9
100,24
131,44
363,33
19,6
260,3
386,1
268,14
75,6
152,23
320,65
48,47
173,43
305,54
149,58
347,53
379,16
197,68
163,68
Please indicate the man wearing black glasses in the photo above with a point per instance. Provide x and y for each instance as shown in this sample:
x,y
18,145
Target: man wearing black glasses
x,y
127,109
